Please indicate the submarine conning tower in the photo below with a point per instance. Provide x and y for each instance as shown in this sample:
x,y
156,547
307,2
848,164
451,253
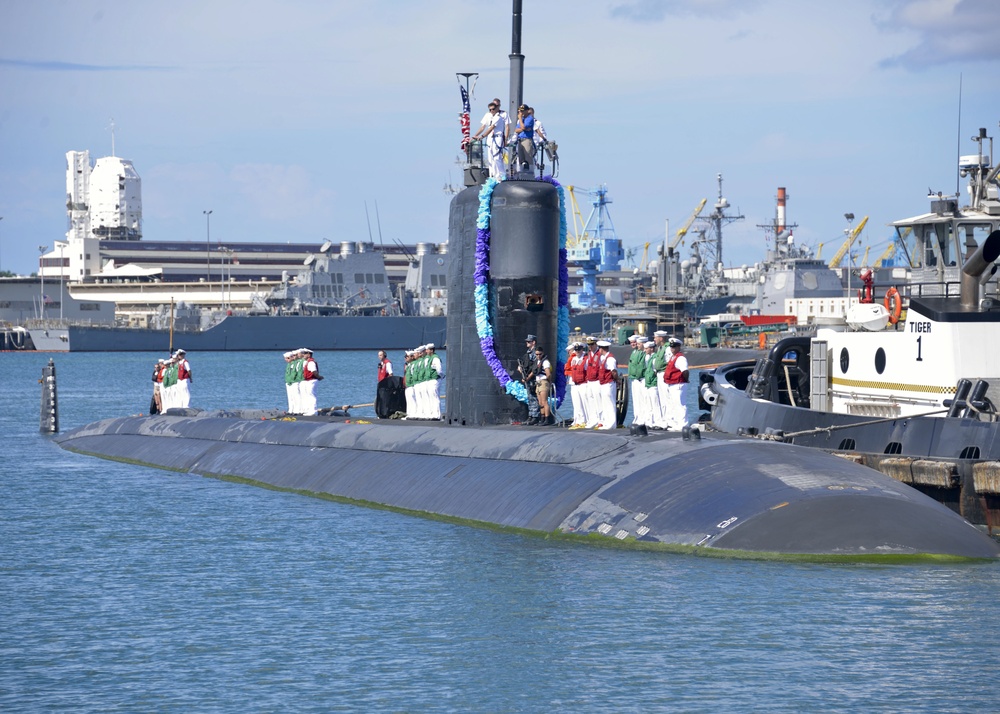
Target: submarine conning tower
x,y
516,259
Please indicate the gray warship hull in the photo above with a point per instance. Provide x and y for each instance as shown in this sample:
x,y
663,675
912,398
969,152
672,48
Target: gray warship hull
x,y
277,333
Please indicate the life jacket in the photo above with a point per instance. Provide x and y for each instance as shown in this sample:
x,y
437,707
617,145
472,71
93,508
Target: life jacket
x,y
310,370
183,370
432,372
637,364
578,369
606,375
383,371
672,375
592,359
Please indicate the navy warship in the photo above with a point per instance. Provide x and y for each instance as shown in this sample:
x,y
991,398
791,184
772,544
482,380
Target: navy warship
x,y
706,494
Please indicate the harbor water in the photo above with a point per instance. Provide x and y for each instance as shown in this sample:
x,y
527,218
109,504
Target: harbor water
x,y
130,589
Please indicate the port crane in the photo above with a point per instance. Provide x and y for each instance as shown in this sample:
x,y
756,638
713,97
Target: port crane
x,y
593,245
683,230
852,235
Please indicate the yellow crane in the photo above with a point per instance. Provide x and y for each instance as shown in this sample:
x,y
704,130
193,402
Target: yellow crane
x,y
886,255
851,237
891,250
579,225
682,231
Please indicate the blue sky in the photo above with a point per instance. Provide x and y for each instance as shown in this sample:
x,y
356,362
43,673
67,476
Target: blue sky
x,y
285,119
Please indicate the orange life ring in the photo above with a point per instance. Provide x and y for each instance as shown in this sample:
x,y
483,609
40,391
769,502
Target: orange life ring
x,y
894,304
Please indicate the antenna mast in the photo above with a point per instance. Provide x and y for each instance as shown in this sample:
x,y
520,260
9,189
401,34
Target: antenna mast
x,y
516,62
112,136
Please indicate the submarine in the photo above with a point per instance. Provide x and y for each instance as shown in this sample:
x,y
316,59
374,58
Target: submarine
x,y
707,494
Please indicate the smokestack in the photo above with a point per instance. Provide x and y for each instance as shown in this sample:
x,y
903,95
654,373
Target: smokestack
x,y
516,62
781,212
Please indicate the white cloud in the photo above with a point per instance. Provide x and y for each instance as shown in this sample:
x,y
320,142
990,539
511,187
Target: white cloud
x,y
947,31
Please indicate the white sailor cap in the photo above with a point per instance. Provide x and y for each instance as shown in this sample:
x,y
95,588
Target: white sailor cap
x,y
160,361
430,345
571,346
419,348
661,333
633,338
674,341
603,343
650,343
306,349
180,352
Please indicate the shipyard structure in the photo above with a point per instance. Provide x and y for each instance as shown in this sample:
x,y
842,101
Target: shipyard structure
x,y
104,257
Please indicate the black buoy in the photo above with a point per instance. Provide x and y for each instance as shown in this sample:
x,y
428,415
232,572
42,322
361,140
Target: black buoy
x,y
49,422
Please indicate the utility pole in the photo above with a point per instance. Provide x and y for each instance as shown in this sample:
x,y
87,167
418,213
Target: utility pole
x,y
41,283
208,246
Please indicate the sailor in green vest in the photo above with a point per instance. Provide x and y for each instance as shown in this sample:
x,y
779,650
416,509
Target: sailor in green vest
x,y
637,379
289,381
170,384
660,358
433,385
652,393
298,361
411,408
419,373
423,397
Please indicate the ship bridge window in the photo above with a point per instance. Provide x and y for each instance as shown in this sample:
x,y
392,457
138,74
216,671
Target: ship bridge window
x,y
434,281
369,278
379,279
359,278
337,278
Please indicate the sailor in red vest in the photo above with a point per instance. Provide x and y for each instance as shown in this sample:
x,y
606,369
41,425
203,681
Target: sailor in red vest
x,y
384,366
591,392
578,374
675,376
607,380
184,380
310,376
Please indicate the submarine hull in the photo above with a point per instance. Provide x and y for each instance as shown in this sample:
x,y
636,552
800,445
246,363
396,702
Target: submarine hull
x,y
713,495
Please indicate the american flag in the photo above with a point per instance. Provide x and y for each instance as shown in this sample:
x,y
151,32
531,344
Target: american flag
x,y
465,118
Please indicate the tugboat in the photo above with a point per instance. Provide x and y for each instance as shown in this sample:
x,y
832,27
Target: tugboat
x,y
914,396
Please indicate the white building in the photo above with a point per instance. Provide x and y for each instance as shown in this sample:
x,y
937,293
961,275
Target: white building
x,y
103,202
